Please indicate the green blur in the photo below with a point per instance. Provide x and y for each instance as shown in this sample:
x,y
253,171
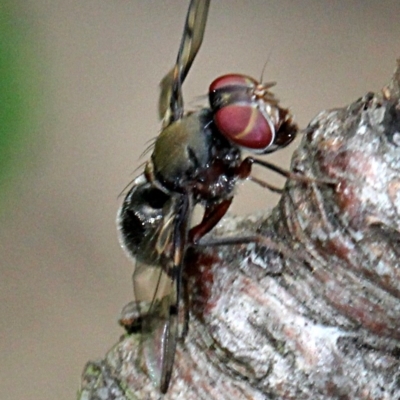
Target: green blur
x,y
17,96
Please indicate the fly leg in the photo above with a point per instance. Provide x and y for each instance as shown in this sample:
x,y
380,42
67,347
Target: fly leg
x,y
212,215
244,171
186,310
214,212
265,185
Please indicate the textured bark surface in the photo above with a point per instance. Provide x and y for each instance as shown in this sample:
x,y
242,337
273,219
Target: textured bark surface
x,y
318,321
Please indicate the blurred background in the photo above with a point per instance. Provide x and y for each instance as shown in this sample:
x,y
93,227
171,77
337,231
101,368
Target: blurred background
x,y
79,92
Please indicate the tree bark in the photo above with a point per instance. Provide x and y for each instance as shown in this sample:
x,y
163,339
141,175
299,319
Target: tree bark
x,y
310,311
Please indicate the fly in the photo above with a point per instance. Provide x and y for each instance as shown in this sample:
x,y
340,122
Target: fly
x,y
196,159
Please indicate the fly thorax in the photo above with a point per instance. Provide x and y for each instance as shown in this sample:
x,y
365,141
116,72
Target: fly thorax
x,y
182,149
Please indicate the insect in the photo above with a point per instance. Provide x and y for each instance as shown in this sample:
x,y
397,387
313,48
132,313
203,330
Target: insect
x,y
196,159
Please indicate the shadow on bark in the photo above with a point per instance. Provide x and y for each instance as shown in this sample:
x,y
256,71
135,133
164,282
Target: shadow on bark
x,y
310,311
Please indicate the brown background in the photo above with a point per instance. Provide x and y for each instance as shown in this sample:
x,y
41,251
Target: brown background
x,y
63,275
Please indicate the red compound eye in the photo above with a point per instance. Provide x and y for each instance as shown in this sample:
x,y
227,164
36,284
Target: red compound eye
x,y
245,126
237,80
239,114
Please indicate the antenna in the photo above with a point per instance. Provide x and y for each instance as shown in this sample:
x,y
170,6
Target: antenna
x,y
265,65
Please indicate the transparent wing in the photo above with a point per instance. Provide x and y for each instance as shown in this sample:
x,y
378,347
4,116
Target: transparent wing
x,y
157,291
170,106
155,295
